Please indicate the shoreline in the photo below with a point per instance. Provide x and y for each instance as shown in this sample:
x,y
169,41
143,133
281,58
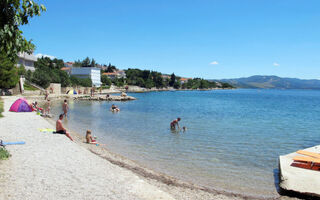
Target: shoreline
x,y
162,180
174,187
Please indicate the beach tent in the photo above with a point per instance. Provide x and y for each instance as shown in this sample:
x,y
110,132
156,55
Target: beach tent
x,y
72,92
20,105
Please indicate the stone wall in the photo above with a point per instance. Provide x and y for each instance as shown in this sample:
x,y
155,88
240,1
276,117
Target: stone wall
x,y
54,88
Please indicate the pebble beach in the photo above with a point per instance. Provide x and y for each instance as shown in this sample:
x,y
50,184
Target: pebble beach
x,y
50,166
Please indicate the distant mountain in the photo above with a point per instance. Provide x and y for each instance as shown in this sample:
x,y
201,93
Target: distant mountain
x,y
274,82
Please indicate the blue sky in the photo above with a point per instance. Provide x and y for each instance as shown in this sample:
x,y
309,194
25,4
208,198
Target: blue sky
x,y
192,38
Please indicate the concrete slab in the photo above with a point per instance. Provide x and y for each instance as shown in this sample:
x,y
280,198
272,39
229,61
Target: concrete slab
x,y
303,181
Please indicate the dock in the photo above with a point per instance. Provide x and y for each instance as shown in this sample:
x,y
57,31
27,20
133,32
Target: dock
x,y
299,180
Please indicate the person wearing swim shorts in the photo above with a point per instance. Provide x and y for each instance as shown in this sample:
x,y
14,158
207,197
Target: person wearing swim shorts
x,y
60,129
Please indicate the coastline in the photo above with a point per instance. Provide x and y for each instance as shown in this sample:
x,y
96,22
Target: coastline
x,y
169,185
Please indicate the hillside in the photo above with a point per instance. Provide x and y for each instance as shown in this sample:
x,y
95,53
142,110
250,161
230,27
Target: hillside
x,y
274,82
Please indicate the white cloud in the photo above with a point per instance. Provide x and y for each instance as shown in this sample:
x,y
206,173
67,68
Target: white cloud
x,y
214,63
276,64
40,55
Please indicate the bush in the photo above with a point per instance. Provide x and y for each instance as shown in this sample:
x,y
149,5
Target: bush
x,y
1,107
4,154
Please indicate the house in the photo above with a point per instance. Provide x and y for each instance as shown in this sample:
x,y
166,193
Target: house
x,y
27,60
184,80
88,72
66,69
117,74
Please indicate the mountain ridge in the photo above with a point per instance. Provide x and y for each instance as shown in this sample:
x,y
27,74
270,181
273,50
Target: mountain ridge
x,y
273,82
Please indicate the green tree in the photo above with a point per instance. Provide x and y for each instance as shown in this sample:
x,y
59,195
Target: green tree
x,y
13,14
8,72
41,78
111,68
86,62
93,63
28,75
172,80
21,70
204,84
177,85
106,80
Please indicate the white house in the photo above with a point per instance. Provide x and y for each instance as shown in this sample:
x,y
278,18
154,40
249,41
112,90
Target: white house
x,y
27,60
88,72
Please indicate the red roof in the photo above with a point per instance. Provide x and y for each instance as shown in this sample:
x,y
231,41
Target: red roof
x,y
65,68
109,73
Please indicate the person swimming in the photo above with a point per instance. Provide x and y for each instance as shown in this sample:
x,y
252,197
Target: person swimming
x,y
175,123
114,108
184,129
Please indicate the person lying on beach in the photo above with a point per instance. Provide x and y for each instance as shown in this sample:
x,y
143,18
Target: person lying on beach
x,y
89,138
65,108
114,108
175,123
60,129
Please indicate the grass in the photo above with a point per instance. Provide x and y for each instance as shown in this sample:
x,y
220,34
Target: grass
x,y
1,107
4,154
29,87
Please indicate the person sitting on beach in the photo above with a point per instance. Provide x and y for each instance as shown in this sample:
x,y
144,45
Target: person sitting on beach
x,y
114,108
174,123
65,108
89,138
60,129
36,108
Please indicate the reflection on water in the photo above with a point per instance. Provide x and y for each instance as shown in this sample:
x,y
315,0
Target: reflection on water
x,y
233,137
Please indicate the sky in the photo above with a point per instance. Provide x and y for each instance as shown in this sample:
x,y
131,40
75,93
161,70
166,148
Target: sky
x,y
211,39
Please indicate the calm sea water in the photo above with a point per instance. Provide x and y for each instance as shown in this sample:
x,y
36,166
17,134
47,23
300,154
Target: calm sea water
x,y
233,140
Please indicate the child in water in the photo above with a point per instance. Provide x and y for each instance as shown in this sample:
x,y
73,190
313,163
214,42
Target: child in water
x,y
89,138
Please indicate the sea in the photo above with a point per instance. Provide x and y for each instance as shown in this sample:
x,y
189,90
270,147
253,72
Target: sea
x,y
233,138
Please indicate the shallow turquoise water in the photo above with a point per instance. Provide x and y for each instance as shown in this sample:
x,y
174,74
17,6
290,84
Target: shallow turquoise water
x,y
233,140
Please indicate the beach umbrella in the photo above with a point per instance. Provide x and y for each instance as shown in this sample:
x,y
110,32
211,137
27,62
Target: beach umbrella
x,y
72,92
20,105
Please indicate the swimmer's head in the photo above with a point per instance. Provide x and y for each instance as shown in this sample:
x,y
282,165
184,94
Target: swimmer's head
x,y
88,132
179,119
65,100
61,116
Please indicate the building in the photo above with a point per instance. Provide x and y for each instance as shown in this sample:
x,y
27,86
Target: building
x,y
27,60
117,74
184,80
66,69
88,72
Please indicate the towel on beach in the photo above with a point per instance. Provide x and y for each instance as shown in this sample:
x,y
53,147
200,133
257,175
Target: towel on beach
x,y
2,143
46,130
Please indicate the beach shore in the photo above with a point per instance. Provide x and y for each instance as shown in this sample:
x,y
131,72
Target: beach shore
x,y
50,166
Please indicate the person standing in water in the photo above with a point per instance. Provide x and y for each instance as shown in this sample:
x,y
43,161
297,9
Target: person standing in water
x,y
65,108
175,123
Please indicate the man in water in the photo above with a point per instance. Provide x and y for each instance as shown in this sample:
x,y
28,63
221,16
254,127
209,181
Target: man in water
x,y
174,123
60,129
65,108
